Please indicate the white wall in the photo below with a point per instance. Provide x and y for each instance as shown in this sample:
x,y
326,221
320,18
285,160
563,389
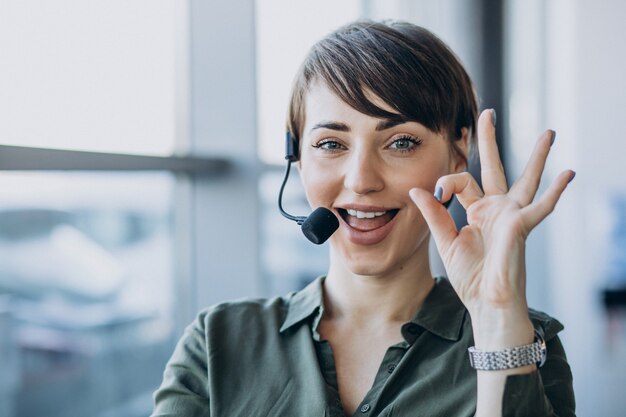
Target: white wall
x,y
566,72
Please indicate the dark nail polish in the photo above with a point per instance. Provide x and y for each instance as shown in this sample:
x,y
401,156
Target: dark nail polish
x,y
439,193
553,137
572,177
494,119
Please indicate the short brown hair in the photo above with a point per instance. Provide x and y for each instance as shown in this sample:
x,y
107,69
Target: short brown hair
x,y
405,65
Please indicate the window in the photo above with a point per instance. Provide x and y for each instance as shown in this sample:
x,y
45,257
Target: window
x,y
86,269
89,75
91,281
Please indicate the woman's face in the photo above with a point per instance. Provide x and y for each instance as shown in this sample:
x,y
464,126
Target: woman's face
x,y
362,168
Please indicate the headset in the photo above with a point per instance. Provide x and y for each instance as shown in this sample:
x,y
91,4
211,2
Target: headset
x,y
321,223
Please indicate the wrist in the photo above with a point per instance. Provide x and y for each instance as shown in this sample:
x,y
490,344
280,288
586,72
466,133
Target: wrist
x,y
496,329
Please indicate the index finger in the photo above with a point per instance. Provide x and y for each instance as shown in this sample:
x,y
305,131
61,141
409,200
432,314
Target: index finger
x,y
491,169
437,217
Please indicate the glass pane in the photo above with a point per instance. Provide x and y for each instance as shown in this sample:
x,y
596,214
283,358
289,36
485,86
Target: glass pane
x,y
90,75
289,260
86,305
285,31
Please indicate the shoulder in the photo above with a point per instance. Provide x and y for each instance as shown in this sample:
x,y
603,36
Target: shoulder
x,y
243,314
545,324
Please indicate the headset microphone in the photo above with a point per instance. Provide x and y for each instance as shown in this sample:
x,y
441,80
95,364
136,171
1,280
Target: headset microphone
x,y
320,224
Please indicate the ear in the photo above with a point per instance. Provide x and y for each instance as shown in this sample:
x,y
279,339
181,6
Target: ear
x,y
459,150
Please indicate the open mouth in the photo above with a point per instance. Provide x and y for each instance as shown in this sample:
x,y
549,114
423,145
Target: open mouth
x,y
367,220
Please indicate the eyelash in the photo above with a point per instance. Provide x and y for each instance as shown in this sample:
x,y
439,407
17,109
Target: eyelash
x,y
320,145
415,142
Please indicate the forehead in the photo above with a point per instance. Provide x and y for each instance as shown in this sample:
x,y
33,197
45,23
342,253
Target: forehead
x,y
321,102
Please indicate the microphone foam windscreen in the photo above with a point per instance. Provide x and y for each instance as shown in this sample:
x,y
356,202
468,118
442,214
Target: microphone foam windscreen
x,y
320,225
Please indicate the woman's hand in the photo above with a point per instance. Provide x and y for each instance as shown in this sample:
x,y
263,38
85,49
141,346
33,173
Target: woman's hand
x,y
485,260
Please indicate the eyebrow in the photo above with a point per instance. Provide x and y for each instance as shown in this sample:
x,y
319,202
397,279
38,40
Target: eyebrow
x,y
391,122
342,127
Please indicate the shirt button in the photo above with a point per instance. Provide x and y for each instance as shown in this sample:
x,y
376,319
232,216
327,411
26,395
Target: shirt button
x,y
391,368
365,408
413,329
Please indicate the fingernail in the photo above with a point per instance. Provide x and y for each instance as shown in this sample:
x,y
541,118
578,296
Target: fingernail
x,y
439,193
572,177
553,137
494,119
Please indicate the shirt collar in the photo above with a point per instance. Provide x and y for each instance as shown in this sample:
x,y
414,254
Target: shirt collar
x,y
304,303
441,314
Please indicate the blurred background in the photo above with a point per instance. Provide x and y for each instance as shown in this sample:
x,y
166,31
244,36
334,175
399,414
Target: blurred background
x,y
141,152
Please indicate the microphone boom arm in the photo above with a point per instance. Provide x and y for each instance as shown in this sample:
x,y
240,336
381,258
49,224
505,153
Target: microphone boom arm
x,y
298,219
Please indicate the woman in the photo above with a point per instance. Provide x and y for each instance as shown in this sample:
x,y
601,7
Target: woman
x,y
385,116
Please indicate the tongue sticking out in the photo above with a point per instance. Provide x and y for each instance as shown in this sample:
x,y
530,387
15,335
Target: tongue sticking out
x,y
365,225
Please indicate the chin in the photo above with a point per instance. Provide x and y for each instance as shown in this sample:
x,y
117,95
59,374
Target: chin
x,y
369,264
379,260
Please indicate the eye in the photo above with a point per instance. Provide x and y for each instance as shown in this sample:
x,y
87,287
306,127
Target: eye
x,y
328,145
405,143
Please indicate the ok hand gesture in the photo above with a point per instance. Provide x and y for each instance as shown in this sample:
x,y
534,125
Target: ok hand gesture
x,y
485,260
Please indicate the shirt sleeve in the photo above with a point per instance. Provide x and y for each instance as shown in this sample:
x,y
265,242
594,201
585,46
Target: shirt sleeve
x,y
184,390
546,392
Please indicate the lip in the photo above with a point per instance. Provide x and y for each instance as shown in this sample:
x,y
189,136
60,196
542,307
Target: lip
x,y
370,237
362,207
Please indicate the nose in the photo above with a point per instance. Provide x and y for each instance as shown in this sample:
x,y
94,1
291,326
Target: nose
x,y
363,173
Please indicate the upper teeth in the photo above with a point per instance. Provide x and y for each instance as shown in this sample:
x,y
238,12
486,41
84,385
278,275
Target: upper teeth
x,y
365,214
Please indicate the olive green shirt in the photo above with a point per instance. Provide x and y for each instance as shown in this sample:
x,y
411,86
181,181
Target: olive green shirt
x,y
266,358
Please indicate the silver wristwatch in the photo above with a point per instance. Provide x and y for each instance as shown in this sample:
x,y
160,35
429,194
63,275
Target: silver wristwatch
x,y
509,358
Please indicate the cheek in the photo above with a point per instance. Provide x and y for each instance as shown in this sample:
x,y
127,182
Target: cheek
x,y
319,184
423,176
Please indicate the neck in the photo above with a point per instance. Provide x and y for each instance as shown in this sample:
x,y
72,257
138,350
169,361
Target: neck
x,y
391,297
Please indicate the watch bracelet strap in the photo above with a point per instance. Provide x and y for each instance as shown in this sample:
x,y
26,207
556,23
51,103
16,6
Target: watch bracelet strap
x,y
534,353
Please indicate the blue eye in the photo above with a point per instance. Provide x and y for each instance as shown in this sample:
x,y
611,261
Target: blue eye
x,y
329,145
405,143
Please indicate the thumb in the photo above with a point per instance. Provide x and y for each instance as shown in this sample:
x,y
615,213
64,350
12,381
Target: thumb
x,y
437,217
